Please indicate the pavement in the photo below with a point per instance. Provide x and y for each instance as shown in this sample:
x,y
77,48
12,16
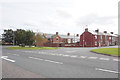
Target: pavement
x,y
58,63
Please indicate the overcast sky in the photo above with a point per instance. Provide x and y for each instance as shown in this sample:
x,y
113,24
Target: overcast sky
x,y
61,16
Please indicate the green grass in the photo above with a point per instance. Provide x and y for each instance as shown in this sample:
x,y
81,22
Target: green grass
x,y
32,48
110,51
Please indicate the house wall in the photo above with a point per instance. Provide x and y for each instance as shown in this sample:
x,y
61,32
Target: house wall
x,y
89,40
54,39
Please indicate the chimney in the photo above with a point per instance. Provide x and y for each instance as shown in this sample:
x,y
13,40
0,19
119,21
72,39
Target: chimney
x,y
68,34
97,30
86,29
111,32
105,31
56,33
77,35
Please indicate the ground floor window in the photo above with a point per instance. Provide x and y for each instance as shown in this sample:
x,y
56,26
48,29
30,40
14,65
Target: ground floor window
x,y
95,43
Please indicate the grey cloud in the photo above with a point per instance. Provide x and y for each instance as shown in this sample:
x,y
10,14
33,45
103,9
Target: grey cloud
x,y
95,19
63,14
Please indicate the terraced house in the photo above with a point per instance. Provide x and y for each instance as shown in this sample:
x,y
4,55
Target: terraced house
x,y
57,40
96,38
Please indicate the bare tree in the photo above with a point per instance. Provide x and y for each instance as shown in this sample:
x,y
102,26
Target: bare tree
x,y
40,40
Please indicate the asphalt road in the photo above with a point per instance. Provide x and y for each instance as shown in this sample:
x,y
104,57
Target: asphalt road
x,y
60,63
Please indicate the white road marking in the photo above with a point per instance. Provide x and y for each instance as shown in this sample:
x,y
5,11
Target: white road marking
x,y
66,55
70,51
92,57
35,58
6,58
60,54
104,59
73,56
16,54
46,60
54,62
53,54
116,60
105,70
83,56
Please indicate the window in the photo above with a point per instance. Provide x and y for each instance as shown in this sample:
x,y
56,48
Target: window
x,y
56,38
96,43
48,38
85,43
68,40
110,38
63,40
101,37
95,37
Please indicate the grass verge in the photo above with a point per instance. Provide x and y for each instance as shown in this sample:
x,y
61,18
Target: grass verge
x,y
108,51
32,48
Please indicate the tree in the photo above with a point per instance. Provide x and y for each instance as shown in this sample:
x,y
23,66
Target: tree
x,y
30,37
8,36
20,36
40,39
24,37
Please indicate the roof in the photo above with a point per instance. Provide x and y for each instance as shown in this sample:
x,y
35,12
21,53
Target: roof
x,y
62,36
102,33
49,35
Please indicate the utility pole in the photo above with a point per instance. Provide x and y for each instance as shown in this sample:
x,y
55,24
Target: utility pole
x,y
74,37
13,38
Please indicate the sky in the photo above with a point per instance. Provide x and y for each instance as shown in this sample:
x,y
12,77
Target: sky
x,y
63,16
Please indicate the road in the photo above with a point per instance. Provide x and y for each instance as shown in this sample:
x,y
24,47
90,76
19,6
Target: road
x,y
60,63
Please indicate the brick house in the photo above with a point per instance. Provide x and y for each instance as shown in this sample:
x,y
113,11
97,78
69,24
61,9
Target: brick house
x,y
96,38
57,40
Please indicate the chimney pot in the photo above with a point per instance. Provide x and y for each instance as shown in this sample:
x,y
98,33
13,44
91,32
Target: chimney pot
x,y
56,33
97,30
105,31
86,29
111,32
77,35
68,34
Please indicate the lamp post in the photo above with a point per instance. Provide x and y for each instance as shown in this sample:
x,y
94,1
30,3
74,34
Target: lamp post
x,y
13,38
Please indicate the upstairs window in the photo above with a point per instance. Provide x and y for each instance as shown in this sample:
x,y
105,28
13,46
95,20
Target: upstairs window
x,y
95,37
56,38
63,40
101,37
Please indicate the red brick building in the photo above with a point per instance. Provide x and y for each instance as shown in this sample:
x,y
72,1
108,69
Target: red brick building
x,y
57,40
96,38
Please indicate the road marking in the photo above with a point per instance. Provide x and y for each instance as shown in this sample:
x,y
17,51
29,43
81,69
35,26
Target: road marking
x,y
83,56
104,59
6,58
53,54
66,55
116,60
92,57
73,56
105,70
16,54
60,54
54,62
46,60
35,58
70,51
